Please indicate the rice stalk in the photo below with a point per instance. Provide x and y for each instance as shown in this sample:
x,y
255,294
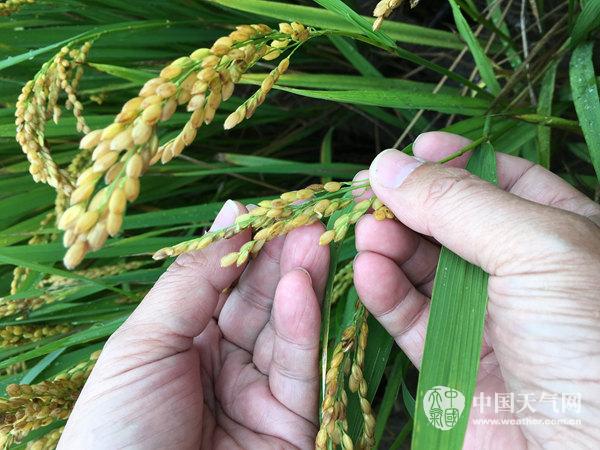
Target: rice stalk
x,y
342,281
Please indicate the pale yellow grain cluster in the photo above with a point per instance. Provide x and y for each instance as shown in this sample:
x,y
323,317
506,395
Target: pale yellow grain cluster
x,y
383,9
347,362
271,219
30,407
123,151
15,335
39,102
380,211
47,442
11,6
292,210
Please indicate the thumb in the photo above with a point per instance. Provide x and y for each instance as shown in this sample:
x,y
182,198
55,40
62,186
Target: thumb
x,y
475,219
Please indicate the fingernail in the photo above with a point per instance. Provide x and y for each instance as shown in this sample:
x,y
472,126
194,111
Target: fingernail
x,y
226,216
391,167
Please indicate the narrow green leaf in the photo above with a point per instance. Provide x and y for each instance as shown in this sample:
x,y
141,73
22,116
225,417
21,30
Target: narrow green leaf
x,y
453,340
327,151
134,75
445,103
586,100
587,20
32,373
360,22
349,50
392,388
95,32
484,65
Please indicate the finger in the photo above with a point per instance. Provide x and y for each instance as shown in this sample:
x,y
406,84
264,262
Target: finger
x,y
301,249
416,256
516,175
390,297
435,145
361,193
182,302
395,303
469,215
294,372
248,308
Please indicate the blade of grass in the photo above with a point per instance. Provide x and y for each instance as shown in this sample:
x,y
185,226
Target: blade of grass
x,y
484,65
545,109
444,103
98,331
384,41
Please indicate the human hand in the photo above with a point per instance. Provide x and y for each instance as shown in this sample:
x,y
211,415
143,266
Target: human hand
x,y
539,240
197,366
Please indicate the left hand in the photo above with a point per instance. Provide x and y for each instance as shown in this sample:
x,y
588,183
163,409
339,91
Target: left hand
x,y
198,366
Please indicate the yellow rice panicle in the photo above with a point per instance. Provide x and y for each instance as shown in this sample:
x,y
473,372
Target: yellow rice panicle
x,y
123,151
292,210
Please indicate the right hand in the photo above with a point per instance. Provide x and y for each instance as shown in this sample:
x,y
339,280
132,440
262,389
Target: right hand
x,y
539,240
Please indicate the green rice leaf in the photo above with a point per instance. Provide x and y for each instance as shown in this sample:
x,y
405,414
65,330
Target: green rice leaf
x,y
586,100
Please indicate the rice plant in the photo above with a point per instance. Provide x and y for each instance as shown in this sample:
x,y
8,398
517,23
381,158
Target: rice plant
x,y
125,126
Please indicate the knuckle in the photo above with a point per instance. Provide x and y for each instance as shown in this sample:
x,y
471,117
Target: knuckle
x,y
447,187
